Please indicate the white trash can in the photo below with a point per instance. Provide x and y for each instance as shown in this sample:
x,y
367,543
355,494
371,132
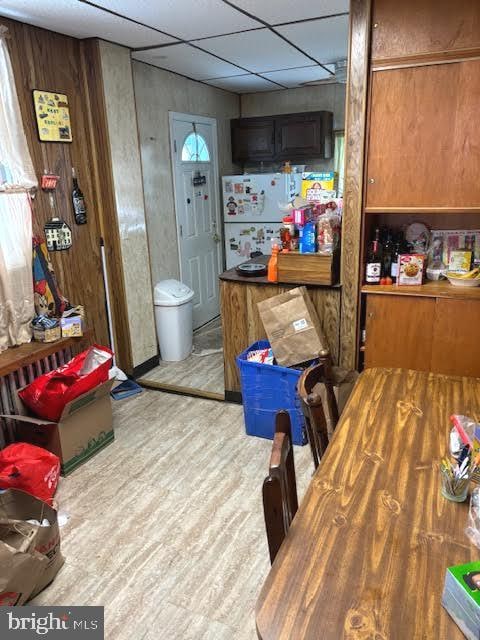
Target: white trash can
x,y
174,319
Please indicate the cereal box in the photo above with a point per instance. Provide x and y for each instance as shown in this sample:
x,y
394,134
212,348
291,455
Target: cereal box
x,y
410,268
313,184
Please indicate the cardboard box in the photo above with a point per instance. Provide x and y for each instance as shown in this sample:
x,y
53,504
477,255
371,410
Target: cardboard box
x,y
410,269
315,183
72,326
293,328
85,427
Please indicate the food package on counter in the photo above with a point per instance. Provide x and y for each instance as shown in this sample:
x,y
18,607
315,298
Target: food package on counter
x,y
292,327
265,356
20,507
315,184
410,269
329,226
460,261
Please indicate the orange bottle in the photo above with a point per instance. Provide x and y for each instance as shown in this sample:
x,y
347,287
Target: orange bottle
x,y
272,275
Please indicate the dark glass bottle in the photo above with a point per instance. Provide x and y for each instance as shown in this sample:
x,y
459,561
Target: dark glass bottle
x,y
373,270
79,208
388,249
394,261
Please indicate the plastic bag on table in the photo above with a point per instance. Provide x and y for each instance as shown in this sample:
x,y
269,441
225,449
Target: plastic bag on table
x,y
463,432
47,395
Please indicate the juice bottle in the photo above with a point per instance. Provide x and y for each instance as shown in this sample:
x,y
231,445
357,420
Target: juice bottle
x,y
272,275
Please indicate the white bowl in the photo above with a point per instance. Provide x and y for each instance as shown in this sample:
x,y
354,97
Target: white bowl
x,y
463,282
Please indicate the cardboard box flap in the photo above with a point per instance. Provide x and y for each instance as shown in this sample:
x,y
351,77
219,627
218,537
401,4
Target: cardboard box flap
x,y
21,418
87,398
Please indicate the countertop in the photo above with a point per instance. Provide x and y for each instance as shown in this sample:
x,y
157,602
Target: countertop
x,y
232,276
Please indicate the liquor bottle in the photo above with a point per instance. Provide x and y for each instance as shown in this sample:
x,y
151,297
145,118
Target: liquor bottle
x,y
373,271
388,249
79,208
394,263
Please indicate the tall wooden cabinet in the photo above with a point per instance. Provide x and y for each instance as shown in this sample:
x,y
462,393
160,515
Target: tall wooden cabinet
x,y
422,163
423,146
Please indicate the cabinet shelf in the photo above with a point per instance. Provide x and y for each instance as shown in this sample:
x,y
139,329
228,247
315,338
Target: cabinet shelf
x,y
434,289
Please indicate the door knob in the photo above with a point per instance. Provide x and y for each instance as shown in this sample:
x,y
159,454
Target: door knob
x,y
188,200
216,237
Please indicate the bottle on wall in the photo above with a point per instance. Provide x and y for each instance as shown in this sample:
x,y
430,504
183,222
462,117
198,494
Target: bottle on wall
x,y
78,200
373,271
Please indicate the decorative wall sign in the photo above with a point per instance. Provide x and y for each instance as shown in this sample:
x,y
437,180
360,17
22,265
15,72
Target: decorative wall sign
x,y
53,116
58,235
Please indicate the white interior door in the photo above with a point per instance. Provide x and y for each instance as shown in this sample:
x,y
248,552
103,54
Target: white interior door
x,y
196,185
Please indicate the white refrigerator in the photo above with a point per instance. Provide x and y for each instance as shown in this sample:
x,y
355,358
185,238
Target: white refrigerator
x,y
252,212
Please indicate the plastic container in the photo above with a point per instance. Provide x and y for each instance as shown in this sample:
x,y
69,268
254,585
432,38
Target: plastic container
x,y
266,389
174,319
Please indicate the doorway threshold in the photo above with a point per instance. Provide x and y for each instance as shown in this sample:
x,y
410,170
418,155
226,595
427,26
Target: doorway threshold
x,y
180,390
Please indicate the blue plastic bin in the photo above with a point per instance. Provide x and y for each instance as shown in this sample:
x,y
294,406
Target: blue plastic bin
x,y
266,389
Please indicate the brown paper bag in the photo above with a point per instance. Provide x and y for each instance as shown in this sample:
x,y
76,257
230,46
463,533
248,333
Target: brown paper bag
x,y
293,328
21,506
20,565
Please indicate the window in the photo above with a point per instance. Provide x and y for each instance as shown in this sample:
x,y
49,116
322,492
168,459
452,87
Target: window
x,y
195,149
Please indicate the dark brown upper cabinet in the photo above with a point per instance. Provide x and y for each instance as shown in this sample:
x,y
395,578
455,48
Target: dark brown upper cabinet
x,y
296,136
253,139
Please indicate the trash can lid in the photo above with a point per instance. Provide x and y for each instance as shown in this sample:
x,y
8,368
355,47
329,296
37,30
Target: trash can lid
x,y
171,293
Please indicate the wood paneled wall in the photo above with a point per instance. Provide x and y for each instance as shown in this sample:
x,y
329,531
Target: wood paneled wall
x,y
43,59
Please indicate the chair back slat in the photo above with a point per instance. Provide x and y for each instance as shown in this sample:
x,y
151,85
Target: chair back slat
x,y
319,407
280,501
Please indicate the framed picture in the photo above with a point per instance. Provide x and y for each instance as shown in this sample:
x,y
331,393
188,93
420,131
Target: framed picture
x,y
53,116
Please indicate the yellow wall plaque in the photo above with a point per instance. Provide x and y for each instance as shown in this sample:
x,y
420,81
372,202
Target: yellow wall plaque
x,y
53,116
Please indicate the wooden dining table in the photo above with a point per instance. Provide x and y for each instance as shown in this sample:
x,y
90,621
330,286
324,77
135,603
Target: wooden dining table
x,y
366,554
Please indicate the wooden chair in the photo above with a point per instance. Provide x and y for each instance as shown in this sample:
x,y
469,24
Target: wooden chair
x,y
280,502
321,417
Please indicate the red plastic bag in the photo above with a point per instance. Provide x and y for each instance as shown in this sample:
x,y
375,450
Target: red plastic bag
x,y
47,395
31,469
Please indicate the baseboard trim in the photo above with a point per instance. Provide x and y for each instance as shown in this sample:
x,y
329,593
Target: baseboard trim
x,y
233,396
144,367
179,390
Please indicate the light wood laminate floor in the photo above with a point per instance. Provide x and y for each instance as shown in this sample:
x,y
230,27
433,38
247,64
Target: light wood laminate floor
x,y
198,372
166,524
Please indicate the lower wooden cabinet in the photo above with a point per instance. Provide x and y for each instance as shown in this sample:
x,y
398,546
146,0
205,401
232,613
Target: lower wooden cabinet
x,y
423,333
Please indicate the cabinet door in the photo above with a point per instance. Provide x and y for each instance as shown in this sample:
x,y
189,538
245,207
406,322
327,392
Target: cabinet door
x,y
253,139
300,136
399,331
424,137
456,345
432,26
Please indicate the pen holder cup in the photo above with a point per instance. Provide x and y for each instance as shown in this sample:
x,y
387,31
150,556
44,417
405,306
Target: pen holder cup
x,y
454,490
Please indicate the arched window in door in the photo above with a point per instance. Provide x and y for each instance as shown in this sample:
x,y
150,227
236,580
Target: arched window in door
x,y
195,148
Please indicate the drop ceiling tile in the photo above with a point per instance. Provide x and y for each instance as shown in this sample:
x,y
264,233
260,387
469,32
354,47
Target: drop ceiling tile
x,y
187,20
188,61
244,84
259,50
80,20
275,11
326,40
296,77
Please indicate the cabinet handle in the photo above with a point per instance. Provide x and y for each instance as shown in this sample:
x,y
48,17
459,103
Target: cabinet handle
x,y
370,315
371,180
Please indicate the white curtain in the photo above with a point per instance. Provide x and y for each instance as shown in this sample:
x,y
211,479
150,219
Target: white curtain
x,y
17,176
